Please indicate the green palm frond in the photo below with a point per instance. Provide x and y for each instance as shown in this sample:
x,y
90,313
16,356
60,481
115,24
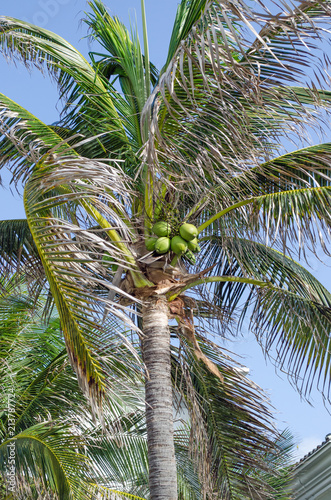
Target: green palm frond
x,y
18,252
46,452
121,462
291,320
43,393
307,167
189,486
295,331
34,361
301,216
105,493
53,204
120,457
296,216
56,197
47,180
304,168
187,15
123,58
286,199
34,367
282,461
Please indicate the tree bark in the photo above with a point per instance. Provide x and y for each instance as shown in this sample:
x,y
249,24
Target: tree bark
x,y
159,410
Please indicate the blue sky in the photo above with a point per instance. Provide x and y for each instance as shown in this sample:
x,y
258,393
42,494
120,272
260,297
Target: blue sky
x,y
308,423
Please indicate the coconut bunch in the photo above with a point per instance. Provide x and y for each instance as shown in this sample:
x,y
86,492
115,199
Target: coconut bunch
x,y
183,243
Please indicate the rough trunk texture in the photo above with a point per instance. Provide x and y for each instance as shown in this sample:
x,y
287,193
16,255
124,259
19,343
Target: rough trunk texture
x,y
159,413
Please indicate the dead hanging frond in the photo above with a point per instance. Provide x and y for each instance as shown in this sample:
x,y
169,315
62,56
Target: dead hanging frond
x,y
185,319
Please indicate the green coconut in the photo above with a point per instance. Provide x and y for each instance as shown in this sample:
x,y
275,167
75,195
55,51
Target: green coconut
x,y
178,245
161,228
188,231
150,243
190,257
193,245
162,245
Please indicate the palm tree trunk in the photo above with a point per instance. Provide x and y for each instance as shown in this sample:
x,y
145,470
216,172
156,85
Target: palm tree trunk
x,y
159,411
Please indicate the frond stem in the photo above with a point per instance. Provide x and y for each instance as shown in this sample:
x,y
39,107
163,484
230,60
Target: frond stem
x,y
214,279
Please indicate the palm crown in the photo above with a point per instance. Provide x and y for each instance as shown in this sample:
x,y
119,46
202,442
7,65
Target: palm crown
x,y
195,143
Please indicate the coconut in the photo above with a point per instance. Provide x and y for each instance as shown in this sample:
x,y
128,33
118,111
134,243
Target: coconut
x,y
162,245
193,245
150,243
190,257
161,228
178,245
188,231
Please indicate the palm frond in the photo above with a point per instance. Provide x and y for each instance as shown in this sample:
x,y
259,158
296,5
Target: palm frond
x,y
187,15
304,168
34,361
30,137
120,457
297,216
56,198
35,367
300,217
282,461
18,252
105,493
46,452
124,58
295,332
214,116
40,48
189,486
291,320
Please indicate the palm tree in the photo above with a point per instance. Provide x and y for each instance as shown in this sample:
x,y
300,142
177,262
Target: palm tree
x,y
200,142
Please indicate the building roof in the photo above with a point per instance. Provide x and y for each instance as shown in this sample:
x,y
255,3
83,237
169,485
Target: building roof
x,y
312,474
326,440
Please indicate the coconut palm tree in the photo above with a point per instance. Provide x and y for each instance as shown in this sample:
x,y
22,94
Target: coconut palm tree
x,y
202,142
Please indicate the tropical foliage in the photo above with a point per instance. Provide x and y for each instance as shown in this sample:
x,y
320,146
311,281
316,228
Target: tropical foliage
x,y
59,450
201,141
